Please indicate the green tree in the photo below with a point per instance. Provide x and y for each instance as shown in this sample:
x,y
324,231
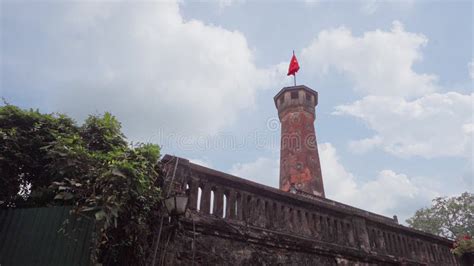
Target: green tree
x,y
24,137
447,217
48,159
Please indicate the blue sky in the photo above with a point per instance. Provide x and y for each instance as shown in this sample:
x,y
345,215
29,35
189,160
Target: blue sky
x,y
395,116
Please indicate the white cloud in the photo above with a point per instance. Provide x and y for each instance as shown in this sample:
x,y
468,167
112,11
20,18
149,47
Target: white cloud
x,y
263,170
369,7
364,145
141,61
379,62
387,193
402,107
227,3
430,126
394,193
339,184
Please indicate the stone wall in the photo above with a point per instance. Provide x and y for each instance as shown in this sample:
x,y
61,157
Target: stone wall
x,y
235,221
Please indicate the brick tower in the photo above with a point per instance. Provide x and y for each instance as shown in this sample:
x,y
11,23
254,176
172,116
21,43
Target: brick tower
x,y
300,169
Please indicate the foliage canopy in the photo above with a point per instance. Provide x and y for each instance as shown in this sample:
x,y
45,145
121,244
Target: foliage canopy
x,y
49,159
447,217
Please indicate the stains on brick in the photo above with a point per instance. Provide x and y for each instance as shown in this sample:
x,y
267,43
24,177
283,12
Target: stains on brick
x,y
299,159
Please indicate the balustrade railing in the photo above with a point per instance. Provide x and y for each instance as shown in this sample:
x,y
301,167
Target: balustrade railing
x,y
222,196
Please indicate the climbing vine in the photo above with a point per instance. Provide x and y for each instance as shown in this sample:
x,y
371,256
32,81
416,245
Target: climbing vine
x,y
49,159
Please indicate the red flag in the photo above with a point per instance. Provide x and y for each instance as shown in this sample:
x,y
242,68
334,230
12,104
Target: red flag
x,y
294,66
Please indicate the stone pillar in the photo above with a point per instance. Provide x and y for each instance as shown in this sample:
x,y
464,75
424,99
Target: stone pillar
x,y
299,158
362,236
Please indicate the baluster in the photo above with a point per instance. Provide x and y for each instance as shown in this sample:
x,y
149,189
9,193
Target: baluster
x,y
266,211
324,227
334,230
248,208
193,195
231,205
305,223
290,219
205,199
341,233
388,242
310,223
298,221
350,234
283,222
315,225
405,247
274,216
394,243
238,206
218,202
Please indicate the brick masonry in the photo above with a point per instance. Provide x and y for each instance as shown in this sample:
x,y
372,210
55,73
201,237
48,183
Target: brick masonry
x,y
300,168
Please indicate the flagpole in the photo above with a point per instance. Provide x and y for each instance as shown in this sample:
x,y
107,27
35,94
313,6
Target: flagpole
x,y
294,75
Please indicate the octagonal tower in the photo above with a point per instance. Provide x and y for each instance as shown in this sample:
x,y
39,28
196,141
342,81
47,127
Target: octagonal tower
x,y
300,169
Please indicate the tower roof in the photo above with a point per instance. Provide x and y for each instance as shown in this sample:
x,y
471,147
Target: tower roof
x,y
293,88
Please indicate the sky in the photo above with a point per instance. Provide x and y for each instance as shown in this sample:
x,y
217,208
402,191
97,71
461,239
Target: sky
x,y
394,122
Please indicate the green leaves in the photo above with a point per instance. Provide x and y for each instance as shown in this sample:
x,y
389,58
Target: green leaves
x,y
100,215
90,166
64,196
447,217
24,135
464,244
103,133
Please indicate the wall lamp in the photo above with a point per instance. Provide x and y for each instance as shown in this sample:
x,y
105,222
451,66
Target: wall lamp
x,y
176,205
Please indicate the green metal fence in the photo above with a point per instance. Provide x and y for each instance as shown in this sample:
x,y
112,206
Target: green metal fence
x,y
33,236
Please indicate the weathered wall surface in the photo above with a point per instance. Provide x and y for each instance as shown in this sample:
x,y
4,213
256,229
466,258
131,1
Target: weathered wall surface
x,y
299,159
214,250
236,221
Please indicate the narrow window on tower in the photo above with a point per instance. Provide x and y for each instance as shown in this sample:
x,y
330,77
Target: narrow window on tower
x,y
308,97
294,95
